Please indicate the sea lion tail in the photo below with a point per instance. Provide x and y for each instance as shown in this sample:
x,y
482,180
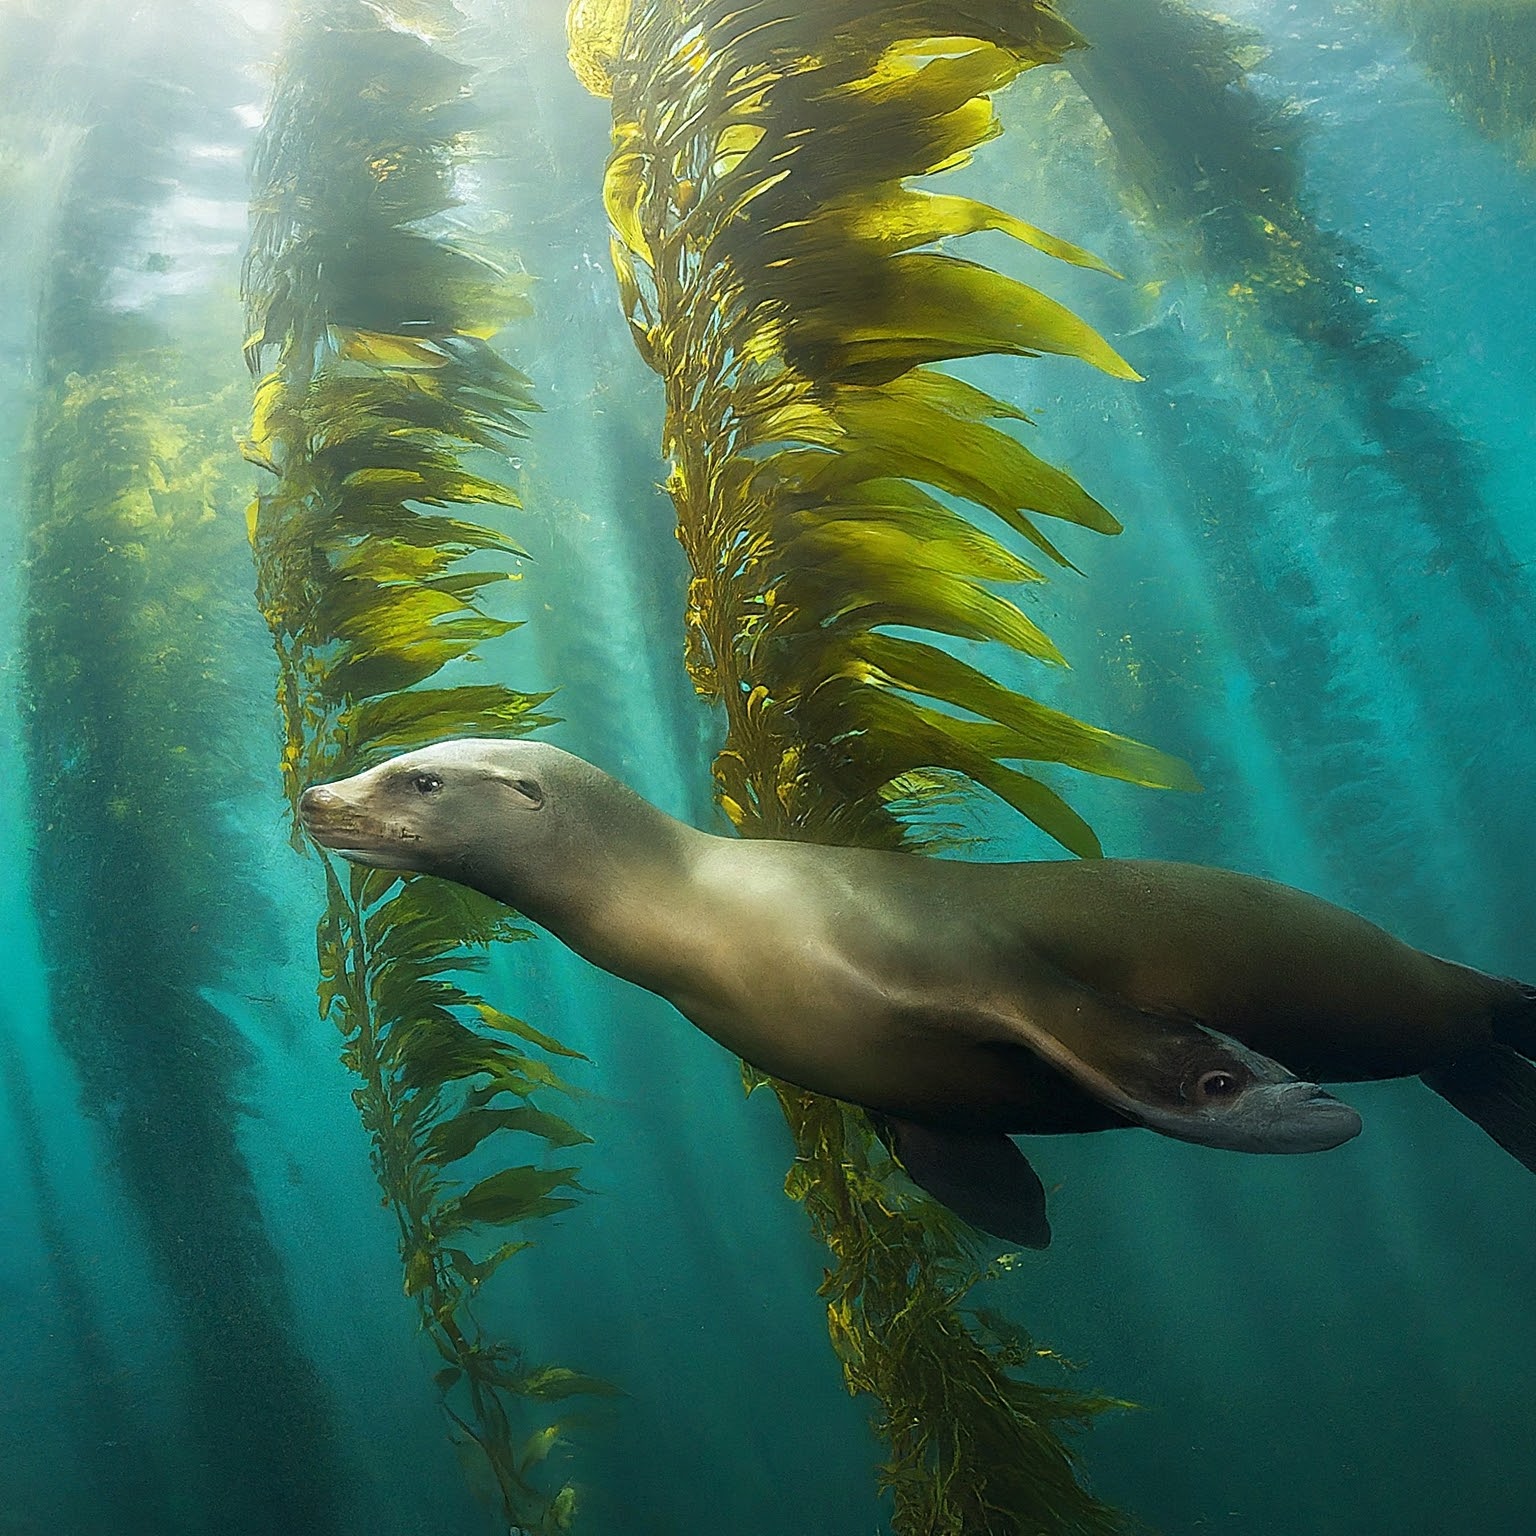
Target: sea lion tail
x,y
1495,1085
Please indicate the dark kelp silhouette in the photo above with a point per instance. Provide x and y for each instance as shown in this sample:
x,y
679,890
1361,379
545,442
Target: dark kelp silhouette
x,y
132,517
376,386
114,1465
1484,53
777,272
1204,154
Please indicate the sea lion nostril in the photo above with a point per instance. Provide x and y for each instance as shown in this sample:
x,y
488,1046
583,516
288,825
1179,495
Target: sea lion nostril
x,y
318,797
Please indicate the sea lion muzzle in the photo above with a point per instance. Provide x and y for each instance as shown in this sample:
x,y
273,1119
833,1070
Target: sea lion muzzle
x,y
328,816
337,822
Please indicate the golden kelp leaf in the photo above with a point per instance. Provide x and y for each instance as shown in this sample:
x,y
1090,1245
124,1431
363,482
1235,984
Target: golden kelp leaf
x,y
401,722
1042,806
624,187
386,562
594,31
496,1019
537,1446
562,1508
878,575
477,1273
930,308
457,1137
1044,735
270,397
902,218
911,417
427,917
381,350
418,1271
942,537
555,1381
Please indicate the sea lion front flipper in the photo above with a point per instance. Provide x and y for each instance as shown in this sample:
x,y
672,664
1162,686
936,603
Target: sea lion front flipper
x,y
984,1179
1496,1088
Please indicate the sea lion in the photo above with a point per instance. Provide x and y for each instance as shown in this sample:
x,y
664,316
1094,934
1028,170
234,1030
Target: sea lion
x,y
961,1001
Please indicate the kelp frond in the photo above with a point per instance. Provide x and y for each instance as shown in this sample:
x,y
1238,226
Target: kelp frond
x,y
851,513
777,269
378,401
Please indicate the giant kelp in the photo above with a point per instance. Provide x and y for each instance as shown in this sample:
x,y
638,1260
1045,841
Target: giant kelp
x,y
131,618
1484,54
368,327
129,736
779,272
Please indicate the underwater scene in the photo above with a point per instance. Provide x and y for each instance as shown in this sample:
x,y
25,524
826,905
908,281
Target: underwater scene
x,y
736,732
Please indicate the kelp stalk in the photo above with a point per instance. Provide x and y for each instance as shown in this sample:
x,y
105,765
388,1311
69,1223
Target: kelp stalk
x,y
778,272
368,333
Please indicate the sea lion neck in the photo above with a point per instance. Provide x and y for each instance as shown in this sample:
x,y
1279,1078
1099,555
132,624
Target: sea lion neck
x,y
609,875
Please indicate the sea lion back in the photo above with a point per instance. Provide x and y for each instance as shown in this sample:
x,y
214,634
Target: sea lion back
x,y
1289,974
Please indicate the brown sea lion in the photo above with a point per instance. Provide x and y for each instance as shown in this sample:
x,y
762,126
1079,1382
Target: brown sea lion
x,y
961,1001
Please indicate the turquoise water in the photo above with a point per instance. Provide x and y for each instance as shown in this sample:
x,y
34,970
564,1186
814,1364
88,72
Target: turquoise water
x,y
1321,601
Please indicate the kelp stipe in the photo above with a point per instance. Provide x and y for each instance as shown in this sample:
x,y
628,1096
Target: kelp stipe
x,y
131,707
376,385
777,272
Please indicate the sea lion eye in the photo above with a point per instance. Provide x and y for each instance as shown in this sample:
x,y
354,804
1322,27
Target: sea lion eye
x,y
426,783
529,790
1217,1085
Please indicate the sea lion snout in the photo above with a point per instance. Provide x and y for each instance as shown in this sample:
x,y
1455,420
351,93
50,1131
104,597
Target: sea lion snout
x,y
346,823
327,814
319,800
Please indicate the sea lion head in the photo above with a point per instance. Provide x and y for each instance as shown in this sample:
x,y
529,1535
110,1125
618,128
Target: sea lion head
x,y
1202,1086
455,809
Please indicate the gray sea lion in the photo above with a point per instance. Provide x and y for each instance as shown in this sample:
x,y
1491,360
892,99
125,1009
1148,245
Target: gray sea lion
x,y
961,1001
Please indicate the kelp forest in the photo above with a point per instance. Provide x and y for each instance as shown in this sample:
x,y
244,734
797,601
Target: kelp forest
x,y
979,429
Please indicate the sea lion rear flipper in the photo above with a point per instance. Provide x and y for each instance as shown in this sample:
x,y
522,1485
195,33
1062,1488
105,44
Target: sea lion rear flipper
x,y
1496,1087
984,1179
